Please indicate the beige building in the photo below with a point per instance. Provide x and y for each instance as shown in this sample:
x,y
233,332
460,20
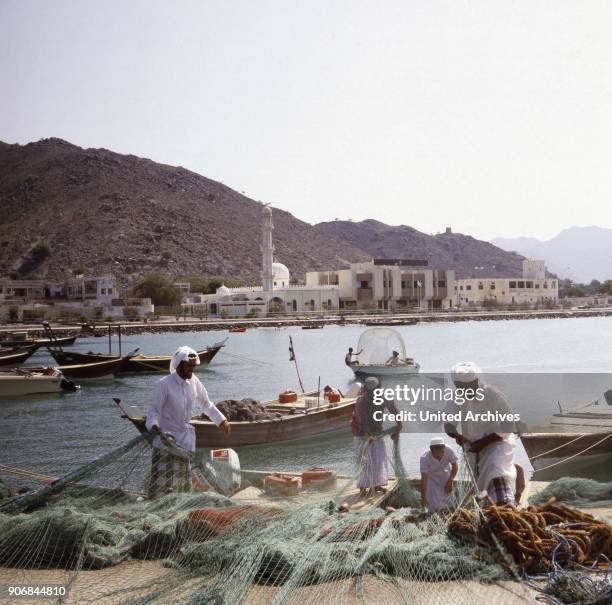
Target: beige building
x,y
389,284
532,288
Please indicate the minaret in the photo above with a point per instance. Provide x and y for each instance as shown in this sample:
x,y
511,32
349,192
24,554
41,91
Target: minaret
x,y
267,248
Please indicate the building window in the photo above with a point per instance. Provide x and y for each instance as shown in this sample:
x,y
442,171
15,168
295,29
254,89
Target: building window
x,y
441,283
404,284
468,287
512,284
529,284
460,287
480,286
537,286
546,285
521,284
364,284
492,286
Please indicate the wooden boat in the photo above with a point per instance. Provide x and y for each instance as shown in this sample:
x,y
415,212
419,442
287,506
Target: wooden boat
x,y
98,369
580,440
299,419
313,327
16,382
136,363
16,356
237,330
391,322
39,342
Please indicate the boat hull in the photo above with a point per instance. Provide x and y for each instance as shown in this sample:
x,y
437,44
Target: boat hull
x,y
384,370
98,369
63,341
11,386
554,455
289,427
15,358
137,363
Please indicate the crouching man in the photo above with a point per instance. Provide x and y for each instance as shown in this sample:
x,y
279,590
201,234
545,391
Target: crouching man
x,y
488,445
438,471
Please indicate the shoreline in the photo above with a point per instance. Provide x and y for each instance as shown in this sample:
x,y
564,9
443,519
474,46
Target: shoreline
x,y
206,325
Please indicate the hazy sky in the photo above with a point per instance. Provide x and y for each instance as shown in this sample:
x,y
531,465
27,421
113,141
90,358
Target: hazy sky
x,y
492,117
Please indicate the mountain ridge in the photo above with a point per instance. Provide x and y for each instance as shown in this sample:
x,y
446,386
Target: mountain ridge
x,y
114,213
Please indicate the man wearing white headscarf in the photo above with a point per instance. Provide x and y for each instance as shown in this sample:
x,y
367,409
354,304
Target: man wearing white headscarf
x,y
489,445
177,397
438,467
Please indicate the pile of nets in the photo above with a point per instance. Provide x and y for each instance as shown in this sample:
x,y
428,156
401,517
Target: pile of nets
x,y
535,536
245,410
576,491
323,545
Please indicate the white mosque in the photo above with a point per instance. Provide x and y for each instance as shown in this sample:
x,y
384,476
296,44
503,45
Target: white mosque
x,y
275,295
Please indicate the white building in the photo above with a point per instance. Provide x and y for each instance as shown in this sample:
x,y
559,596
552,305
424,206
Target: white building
x,y
532,288
275,295
390,284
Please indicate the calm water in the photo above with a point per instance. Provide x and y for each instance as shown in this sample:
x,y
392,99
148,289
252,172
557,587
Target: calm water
x,y
55,433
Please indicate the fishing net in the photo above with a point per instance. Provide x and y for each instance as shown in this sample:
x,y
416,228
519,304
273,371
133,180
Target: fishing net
x,y
377,346
576,491
98,534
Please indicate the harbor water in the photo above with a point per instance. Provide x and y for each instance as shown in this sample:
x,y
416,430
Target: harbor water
x,y
50,433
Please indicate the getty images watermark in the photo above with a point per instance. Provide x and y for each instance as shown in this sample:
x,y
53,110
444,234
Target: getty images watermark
x,y
427,395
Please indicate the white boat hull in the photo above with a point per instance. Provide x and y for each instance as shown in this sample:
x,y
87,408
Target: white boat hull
x,y
11,386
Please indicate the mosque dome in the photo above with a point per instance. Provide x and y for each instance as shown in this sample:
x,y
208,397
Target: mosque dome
x,y
280,271
223,291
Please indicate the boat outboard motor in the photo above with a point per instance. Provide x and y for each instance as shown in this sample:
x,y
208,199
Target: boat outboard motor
x,y
68,385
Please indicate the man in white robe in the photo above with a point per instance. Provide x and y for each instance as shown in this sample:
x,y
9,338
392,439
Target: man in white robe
x,y
178,397
489,445
438,467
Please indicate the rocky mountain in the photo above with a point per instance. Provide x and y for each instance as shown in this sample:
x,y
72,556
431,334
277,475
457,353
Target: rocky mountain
x,y
65,208
578,253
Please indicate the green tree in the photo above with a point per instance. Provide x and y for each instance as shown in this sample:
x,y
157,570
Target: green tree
x,y
159,289
41,250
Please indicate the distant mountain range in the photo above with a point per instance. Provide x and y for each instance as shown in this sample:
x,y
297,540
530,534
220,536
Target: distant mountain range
x,y
578,253
65,209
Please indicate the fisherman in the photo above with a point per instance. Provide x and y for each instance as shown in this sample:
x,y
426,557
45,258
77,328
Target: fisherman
x,y
394,360
375,472
438,471
176,397
489,446
348,358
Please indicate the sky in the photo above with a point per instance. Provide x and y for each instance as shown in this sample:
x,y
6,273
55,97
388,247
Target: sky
x,y
491,117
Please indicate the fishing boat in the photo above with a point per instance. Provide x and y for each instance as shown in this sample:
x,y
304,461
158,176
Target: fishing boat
x,y
382,352
97,369
237,330
313,327
390,322
579,441
38,342
12,357
135,363
16,382
309,415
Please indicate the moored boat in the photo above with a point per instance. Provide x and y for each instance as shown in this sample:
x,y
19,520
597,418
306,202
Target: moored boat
x,y
12,357
97,369
16,382
382,352
308,416
135,363
38,342
579,441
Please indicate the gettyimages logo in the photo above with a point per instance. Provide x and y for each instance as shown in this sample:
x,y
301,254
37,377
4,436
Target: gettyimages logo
x,y
427,395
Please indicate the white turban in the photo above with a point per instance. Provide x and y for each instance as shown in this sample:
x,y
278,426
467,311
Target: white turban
x,y
466,371
183,354
436,441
